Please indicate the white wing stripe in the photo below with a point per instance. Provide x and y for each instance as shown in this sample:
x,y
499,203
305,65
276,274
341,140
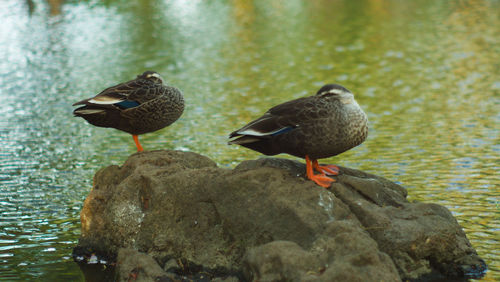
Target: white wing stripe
x,y
253,132
108,101
89,111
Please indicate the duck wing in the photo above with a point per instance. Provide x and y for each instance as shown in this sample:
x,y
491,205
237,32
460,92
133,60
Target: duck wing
x,y
277,120
124,95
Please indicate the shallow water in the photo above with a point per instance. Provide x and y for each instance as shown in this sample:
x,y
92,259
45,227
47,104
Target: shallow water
x,y
426,72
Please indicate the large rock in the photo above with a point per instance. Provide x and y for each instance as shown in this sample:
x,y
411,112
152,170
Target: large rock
x,y
264,221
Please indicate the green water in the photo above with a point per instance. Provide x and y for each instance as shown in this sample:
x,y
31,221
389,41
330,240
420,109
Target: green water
x,y
427,73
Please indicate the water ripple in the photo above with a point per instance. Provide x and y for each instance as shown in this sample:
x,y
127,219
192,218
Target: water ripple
x,y
425,73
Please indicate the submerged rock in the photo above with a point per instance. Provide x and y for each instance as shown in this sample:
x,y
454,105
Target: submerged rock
x,y
264,221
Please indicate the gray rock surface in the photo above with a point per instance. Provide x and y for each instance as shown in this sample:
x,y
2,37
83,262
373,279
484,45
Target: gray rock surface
x,y
264,221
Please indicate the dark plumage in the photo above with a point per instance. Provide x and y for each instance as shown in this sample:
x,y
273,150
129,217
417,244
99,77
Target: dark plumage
x,y
320,126
137,106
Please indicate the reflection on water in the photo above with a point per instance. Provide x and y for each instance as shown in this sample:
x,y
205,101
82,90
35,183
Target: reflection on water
x,y
426,73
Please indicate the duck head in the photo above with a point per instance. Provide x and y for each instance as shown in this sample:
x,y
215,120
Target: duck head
x,y
152,76
336,91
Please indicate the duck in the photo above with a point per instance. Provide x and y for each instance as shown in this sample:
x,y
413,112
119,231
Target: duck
x,y
142,105
314,127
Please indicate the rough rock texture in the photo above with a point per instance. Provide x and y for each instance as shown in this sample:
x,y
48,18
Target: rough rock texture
x,y
132,265
264,221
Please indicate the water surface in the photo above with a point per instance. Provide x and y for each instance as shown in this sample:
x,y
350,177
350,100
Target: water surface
x,y
426,72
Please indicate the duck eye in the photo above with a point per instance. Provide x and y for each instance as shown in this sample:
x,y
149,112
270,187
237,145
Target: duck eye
x,y
328,94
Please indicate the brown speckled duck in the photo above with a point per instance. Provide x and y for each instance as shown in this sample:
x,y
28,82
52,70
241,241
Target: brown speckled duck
x,y
320,126
137,106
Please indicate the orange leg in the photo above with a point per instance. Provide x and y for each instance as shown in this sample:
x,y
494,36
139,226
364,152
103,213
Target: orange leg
x,y
327,169
320,179
136,140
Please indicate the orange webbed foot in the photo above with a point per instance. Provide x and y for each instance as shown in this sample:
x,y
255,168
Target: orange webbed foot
x,y
320,179
327,169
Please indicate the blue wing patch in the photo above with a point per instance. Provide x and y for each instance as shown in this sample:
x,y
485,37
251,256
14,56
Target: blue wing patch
x,y
286,129
127,104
